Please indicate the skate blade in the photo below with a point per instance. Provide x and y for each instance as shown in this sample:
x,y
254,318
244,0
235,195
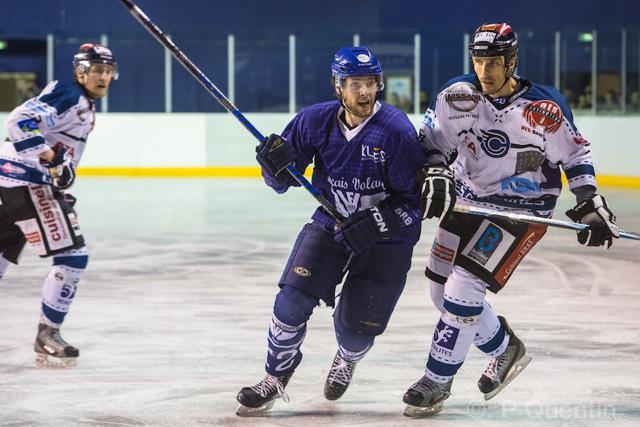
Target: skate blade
x,y
516,369
422,411
43,361
246,411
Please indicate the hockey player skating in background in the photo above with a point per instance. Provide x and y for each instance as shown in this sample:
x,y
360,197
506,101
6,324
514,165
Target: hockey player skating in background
x,y
51,129
510,135
366,156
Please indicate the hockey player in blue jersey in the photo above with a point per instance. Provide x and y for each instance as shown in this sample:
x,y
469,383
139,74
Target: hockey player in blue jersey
x,y
50,132
366,156
510,136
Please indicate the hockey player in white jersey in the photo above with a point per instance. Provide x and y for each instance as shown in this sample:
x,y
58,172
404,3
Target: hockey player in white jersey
x,y
50,132
508,137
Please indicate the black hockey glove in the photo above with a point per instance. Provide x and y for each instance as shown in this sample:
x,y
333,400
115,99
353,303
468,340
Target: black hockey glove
x,y
61,169
438,191
602,222
363,229
274,154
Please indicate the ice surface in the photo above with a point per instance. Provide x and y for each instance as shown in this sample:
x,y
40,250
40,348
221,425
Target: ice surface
x,y
172,314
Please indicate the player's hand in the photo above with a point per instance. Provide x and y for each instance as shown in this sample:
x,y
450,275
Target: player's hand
x,y
602,222
438,191
362,229
274,154
61,169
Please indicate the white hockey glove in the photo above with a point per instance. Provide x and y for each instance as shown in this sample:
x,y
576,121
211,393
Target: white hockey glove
x,y
602,222
438,191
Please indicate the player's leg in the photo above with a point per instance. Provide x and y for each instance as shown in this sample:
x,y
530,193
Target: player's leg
x,y
463,304
369,295
312,273
507,352
11,244
58,292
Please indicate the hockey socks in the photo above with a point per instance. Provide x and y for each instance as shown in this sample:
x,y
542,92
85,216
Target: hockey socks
x,y
60,286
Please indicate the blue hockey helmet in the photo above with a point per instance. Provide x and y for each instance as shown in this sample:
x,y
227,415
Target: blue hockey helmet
x,y
355,61
494,40
92,53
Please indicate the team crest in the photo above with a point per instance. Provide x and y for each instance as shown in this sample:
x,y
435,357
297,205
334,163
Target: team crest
x,y
544,113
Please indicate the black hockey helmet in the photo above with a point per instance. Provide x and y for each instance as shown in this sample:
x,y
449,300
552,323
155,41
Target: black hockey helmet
x,y
92,53
494,40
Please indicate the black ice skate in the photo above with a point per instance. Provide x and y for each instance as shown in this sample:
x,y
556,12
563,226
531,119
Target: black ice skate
x,y
261,397
504,368
339,377
425,397
49,343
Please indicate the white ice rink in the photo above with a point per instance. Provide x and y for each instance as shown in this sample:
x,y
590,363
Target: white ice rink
x,y
172,314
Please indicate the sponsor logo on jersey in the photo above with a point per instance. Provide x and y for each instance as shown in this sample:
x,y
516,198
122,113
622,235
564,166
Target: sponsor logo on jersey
x,y
462,96
579,140
29,125
301,271
543,113
9,168
486,245
445,335
429,119
495,143
528,161
519,185
532,131
442,252
376,154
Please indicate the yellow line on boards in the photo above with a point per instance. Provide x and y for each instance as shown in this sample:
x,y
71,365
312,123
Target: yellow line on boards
x,y
254,172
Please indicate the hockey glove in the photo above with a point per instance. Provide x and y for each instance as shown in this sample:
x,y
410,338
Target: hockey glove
x,y
602,222
274,155
363,229
438,191
61,169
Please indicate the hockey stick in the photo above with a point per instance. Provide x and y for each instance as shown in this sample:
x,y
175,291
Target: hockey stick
x,y
533,219
222,100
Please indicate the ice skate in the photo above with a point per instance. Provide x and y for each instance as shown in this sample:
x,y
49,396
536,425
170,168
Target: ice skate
x,y
504,368
50,344
339,377
425,397
261,397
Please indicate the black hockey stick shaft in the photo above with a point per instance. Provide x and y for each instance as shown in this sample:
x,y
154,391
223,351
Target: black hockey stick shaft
x,y
217,94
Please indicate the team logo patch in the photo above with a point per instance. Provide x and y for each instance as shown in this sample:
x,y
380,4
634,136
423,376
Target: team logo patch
x,y
495,143
579,140
445,335
543,113
301,271
486,245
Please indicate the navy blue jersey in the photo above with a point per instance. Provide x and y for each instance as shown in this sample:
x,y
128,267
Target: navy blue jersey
x,y
376,164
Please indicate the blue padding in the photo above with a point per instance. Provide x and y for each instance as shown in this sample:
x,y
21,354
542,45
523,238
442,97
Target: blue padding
x,y
461,310
54,316
293,307
78,261
579,170
442,369
29,143
493,343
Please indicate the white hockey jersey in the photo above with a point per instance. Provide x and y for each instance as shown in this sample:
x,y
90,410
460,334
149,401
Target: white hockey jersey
x,y
509,150
62,115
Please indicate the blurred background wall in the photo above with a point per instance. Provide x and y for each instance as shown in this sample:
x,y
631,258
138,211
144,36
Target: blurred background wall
x,y
273,57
